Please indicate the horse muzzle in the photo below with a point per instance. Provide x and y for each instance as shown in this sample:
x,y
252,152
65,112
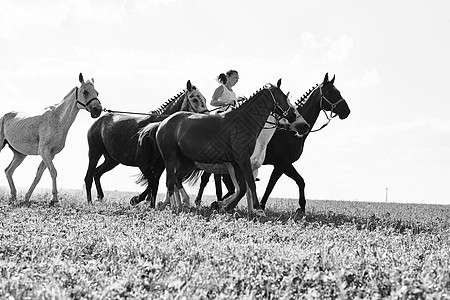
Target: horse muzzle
x,y
94,107
301,128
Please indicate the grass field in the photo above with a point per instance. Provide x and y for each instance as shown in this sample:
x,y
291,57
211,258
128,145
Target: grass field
x,y
110,250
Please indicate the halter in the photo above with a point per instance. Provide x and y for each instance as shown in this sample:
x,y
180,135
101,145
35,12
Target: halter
x,y
84,105
332,105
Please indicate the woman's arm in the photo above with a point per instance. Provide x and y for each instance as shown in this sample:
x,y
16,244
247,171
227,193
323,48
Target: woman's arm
x,y
215,98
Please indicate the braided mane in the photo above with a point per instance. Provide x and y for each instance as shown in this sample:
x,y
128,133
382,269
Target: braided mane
x,y
169,102
239,103
300,102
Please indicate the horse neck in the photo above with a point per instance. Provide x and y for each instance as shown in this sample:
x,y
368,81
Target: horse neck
x,y
67,109
256,111
311,109
174,106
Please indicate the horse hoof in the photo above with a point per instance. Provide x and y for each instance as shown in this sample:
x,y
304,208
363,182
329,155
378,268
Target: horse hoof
x,y
299,214
51,204
160,206
134,201
215,206
260,213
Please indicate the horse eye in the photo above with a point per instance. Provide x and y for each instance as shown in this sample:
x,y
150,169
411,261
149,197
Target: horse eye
x,y
85,93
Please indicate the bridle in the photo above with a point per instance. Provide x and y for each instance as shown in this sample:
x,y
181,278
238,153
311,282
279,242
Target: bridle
x,y
84,105
332,105
284,113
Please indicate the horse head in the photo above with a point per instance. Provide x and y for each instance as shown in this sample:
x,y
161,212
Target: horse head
x,y
194,100
86,96
331,99
282,107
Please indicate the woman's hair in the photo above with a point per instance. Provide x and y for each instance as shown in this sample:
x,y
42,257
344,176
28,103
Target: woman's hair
x,y
222,78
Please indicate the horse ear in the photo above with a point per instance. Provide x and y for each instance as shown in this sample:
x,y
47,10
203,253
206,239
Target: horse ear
x,y
332,80
325,80
279,83
189,85
81,78
92,80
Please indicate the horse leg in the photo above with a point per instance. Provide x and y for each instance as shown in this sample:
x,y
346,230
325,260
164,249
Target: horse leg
x,y
135,200
154,184
9,171
106,166
226,178
162,205
172,165
203,182
184,196
37,178
94,157
291,172
276,174
177,199
238,184
250,180
147,174
248,194
47,158
218,183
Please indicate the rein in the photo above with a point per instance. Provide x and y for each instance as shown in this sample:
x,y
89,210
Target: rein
x,y
126,112
145,114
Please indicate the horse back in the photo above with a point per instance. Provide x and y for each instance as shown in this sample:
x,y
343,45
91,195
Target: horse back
x,y
202,138
117,134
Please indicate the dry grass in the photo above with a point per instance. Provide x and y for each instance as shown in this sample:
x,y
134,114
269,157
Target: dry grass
x,y
111,250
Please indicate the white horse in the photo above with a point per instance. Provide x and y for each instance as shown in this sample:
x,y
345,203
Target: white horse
x,y
45,134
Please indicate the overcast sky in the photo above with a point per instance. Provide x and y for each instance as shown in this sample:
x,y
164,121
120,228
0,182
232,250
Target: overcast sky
x,y
390,58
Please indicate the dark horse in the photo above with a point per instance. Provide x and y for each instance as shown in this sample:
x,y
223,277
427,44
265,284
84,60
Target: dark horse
x,y
185,139
115,136
285,148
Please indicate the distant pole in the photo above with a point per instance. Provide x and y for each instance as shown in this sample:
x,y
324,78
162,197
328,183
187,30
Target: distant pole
x,y
386,195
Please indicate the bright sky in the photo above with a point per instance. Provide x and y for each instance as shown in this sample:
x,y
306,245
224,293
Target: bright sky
x,y
390,58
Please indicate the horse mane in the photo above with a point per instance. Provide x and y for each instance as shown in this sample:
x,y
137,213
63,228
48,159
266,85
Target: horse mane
x,y
71,91
170,101
300,102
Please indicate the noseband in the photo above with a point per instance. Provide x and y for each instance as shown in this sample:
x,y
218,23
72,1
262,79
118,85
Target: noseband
x,y
332,105
84,105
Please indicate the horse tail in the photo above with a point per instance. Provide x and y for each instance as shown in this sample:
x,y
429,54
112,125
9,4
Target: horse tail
x,y
141,179
2,132
192,177
147,154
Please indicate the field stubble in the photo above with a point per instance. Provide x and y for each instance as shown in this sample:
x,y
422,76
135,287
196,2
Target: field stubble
x,y
111,250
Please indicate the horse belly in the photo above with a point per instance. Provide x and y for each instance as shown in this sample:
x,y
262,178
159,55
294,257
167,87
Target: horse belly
x,y
212,168
23,139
